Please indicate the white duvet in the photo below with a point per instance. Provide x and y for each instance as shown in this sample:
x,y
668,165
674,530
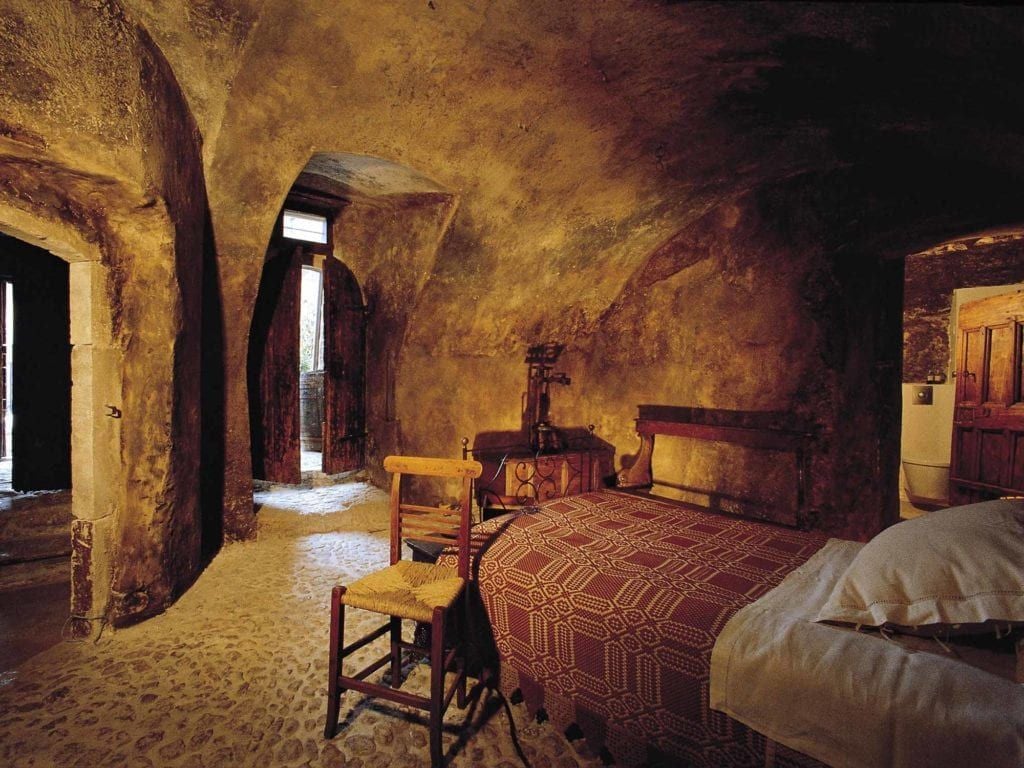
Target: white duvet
x,y
853,699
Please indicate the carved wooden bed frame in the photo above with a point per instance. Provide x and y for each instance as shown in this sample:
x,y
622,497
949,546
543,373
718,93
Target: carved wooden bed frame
x,y
766,430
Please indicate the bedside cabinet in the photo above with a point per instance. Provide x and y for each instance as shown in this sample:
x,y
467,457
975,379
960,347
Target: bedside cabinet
x,y
516,477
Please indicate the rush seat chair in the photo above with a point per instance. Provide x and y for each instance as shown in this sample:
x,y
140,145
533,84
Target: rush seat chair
x,y
417,591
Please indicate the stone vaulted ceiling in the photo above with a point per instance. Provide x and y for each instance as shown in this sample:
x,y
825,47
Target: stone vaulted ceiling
x,y
579,136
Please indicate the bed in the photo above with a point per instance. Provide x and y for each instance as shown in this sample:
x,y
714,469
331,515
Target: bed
x,y
604,610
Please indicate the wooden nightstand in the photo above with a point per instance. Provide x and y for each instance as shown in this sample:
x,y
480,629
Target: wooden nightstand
x,y
515,477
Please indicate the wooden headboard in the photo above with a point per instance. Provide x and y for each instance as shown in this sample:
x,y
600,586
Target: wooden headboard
x,y
766,430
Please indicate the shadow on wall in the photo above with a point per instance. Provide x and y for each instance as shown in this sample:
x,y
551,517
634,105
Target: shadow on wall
x,y
212,404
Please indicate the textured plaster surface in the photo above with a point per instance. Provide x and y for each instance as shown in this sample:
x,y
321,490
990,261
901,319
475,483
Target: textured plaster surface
x,y
692,198
99,150
697,199
236,672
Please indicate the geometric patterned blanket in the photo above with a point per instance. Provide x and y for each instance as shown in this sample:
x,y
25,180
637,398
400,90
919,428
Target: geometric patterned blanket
x,y
604,608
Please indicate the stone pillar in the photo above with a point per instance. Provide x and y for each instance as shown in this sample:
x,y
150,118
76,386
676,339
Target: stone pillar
x,y
96,371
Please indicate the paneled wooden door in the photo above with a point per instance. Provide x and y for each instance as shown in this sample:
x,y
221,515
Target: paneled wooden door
x,y
344,369
988,421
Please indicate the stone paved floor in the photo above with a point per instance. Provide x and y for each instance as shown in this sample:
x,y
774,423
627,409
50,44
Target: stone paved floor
x,y
234,674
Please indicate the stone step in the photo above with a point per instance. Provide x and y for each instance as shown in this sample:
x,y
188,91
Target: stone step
x,y
49,571
41,546
30,515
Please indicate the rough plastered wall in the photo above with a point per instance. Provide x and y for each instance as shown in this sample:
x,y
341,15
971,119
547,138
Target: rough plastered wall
x,y
580,139
698,199
476,98
737,311
390,244
933,275
101,166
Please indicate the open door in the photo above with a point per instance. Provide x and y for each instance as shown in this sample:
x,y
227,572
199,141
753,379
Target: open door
x,y
344,434
988,423
274,368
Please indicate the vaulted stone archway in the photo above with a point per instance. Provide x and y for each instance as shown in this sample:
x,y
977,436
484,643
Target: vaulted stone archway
x,y
100,166
389,221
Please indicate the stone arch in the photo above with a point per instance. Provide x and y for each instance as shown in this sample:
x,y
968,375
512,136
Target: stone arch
x,y
389,222
100,165
388,230
96,369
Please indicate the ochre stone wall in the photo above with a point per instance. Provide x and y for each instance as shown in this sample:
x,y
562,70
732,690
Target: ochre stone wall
x,y
100,164
578,150
390,245
706,203
732,312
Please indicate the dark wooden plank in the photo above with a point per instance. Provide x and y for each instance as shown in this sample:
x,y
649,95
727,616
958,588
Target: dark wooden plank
x,y
777,421
993,458
972,365
999,365
274,353
1017,466
749,437
344,365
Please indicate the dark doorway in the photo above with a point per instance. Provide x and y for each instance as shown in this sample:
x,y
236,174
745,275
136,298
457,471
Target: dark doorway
x,y
35,389
38,364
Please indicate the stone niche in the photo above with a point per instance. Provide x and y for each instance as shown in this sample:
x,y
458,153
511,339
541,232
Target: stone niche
x,y
931,278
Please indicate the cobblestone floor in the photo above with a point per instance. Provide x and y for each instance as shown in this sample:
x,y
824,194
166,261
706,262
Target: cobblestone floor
x,y
234,674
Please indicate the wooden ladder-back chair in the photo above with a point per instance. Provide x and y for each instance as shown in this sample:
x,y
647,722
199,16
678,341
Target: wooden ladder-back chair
x,y
421,592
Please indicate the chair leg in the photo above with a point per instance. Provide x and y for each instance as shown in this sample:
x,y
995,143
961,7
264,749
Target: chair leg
x,y
396,652
436,686
337,643
461,655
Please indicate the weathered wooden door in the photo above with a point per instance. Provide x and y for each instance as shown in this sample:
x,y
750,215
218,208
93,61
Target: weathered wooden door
x,y
988,421
344,369
274,368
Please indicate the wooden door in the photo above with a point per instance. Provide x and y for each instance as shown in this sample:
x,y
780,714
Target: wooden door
x,y
988,421
344,435
274,369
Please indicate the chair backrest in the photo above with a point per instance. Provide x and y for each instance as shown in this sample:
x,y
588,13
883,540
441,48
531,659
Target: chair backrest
x,y
438,525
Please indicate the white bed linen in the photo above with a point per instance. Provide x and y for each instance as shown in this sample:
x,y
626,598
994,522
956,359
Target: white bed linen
x,y
853,699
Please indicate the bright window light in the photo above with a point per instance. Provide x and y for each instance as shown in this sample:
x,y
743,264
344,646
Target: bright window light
x,y
305,226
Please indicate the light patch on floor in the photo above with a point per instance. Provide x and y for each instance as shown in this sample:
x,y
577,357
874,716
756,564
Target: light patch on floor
x,y
235,673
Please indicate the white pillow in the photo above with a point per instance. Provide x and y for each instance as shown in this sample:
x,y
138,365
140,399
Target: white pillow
x,y
957,566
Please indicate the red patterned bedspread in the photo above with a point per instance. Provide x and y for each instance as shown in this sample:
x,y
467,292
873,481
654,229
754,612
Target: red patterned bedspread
x,y
604,609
